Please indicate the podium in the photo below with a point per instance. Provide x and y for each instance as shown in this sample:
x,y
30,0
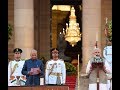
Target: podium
x,y
41,87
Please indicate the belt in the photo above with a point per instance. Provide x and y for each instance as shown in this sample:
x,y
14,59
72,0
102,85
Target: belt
x,y
56,74
13,77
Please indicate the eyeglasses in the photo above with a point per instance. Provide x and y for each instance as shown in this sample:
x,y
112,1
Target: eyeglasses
x,y
97,52
54,52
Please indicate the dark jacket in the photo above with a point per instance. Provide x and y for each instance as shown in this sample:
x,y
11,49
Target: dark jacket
x,y
33,79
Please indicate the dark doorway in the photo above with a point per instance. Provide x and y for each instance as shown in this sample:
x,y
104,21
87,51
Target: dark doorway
x,y
69,51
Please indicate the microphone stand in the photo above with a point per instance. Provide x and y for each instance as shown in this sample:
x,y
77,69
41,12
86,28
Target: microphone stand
x,y
98,65
97,77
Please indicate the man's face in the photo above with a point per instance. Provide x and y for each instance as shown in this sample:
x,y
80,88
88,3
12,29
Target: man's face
x,y
17,55
97,53
33,55
55,53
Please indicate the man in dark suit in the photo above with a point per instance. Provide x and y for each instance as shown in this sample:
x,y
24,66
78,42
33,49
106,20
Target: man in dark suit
x,y
33,69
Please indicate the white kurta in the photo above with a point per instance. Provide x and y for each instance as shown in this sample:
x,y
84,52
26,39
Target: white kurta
x,y
59,67
107,53
101,86
17,72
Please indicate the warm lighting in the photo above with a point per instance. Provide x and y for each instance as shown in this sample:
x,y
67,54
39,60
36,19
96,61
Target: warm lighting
x,y
61,7
72,32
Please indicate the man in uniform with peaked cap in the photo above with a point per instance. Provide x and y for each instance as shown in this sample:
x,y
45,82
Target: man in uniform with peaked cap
x,y
15,77
55,72
17,50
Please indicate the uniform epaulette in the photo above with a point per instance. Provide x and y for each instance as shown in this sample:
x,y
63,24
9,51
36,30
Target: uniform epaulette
x,y
11,61
48,60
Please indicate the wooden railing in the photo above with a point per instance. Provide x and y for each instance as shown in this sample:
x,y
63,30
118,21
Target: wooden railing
x,y
63,87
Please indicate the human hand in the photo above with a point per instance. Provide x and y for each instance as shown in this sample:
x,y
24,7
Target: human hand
x,y
30,73
104,69
91,68
38,71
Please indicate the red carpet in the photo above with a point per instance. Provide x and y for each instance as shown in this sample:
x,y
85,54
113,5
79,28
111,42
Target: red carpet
x,y
71,81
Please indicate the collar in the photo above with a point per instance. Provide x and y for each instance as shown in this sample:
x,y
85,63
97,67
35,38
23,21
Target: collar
x,y
17,60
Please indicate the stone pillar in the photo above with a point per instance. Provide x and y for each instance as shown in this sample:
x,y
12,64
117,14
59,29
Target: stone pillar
x,y
24,26
55,15
91,21
44,28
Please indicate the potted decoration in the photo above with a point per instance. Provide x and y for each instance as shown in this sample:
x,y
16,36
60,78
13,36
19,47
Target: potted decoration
x,y
70,69
109,30
10,29
71,72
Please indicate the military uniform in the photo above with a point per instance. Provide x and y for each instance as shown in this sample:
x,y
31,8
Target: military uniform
x,y
14,72
15,77
55,72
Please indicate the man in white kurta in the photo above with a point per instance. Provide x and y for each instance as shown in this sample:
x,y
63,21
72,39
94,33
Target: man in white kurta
x,y
107,53
15,77
92,72
55,72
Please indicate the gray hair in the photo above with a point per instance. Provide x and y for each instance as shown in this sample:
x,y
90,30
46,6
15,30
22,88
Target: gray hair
x,y
33,51
96,49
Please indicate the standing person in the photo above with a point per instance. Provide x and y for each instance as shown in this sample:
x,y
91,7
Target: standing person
x,y
15,77
92,71
55,72
33,69
107,53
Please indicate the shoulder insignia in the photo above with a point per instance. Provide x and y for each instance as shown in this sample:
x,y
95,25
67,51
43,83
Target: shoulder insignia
x,y
10,63
48,61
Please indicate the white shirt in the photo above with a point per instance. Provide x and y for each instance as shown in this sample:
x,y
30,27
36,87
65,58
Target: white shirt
x,y
17,72
59,67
